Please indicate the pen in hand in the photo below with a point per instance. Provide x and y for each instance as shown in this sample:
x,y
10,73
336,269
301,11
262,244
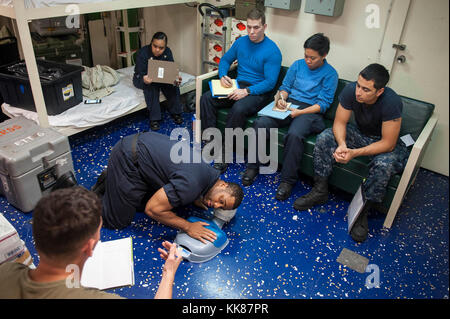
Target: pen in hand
x,y
283,104
226,81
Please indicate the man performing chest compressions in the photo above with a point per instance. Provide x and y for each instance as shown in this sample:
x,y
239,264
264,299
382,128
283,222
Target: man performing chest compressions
x,y
141,175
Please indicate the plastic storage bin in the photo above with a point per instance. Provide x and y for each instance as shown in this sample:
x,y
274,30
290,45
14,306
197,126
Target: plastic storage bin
x,y
32,159
9,50
60,94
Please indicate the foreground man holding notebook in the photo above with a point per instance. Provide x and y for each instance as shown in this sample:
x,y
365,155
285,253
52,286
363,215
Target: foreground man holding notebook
x,y
66,229
259,63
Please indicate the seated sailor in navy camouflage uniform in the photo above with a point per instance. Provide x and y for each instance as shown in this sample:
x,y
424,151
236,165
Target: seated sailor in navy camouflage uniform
x,y
378,114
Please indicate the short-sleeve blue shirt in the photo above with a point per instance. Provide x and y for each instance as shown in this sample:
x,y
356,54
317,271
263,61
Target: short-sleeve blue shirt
x,y
370,118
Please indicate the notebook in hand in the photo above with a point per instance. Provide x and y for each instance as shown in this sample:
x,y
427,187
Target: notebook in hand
x,y
218,91
162,71
268,110
110,266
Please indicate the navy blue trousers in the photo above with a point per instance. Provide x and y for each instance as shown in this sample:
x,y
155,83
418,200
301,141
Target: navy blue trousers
x,y
240,111
126,191
151,95
300,127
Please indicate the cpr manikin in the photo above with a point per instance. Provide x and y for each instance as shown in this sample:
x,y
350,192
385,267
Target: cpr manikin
x,y
194,250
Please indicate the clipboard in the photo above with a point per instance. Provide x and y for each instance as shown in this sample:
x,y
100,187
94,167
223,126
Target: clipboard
x,y
355,208
162,71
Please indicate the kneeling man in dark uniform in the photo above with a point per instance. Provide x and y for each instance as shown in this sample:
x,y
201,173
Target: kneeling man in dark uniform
x,y
142,174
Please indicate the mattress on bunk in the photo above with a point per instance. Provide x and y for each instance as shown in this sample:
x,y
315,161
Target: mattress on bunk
x,y
48,3
124,99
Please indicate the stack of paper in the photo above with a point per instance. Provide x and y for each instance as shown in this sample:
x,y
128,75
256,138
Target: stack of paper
x,y
110,266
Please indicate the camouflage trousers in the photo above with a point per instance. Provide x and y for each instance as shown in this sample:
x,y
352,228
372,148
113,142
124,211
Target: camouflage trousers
x,y
381,167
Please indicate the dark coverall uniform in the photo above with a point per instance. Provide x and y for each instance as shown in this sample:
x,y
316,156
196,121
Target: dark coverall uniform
x,y
134,176
151,91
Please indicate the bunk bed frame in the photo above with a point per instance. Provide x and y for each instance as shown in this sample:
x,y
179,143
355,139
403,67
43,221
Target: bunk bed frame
x,y
23,15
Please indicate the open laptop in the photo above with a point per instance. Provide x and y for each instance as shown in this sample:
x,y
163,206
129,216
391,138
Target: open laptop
x,y
162,71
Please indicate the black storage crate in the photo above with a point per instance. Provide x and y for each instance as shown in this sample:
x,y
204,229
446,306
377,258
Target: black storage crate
x,y
9,50
59,94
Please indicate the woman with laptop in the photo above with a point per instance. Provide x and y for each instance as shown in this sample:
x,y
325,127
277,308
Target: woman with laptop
x,y
153,85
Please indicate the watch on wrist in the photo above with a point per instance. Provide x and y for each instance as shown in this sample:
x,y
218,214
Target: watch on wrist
x,y
248,90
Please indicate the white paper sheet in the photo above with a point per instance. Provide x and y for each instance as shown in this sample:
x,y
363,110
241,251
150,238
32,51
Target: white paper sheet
x,y
408,140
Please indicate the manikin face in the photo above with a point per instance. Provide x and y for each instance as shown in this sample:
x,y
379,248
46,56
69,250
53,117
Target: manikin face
x,y
313,59
256,30
366,92
218,197
158,47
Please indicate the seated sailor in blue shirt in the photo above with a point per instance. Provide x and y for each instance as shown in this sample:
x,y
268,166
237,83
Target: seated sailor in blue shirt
x,y
157,50
259,63
310,85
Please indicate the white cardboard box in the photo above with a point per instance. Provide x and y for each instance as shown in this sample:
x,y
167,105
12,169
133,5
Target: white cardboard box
x,y
10,244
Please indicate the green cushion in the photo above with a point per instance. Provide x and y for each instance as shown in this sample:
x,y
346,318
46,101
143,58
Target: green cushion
x,y
331,112
347,177
415,116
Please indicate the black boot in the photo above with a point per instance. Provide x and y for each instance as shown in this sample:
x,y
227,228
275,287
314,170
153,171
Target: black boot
x,y
284,191
222,167
177,119
100,186
66,180
154,125
317,196
249,176
360,228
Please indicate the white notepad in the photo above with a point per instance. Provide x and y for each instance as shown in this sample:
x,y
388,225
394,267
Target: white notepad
x,y
111,265
218,90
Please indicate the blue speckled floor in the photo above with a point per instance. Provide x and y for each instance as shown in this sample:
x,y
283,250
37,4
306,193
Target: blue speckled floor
x,y
274,250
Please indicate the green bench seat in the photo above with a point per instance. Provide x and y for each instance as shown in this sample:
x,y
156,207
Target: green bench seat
x,y
417,120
